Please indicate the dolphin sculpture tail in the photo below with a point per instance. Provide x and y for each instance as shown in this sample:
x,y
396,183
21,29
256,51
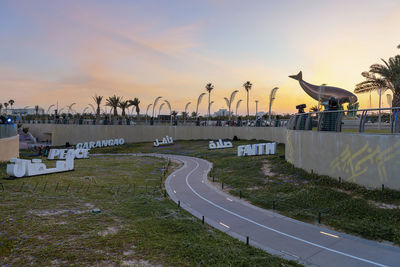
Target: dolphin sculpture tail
x,y
297,77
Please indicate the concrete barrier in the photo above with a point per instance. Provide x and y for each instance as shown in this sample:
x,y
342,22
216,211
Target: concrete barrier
x,y
59,134
9,148
366,159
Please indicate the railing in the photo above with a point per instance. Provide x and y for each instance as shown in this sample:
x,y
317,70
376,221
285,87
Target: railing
x,y
8,130
234,123
384,120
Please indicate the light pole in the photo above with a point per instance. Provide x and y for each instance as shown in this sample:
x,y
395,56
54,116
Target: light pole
x,y
256,108
271,100
186,107
147,110
154,105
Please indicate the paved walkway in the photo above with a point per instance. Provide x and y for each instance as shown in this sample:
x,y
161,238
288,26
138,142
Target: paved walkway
x,y
268,230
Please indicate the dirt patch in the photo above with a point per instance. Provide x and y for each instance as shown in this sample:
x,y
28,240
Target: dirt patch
x,y
109,231
134,262
266,169
44,213
383,205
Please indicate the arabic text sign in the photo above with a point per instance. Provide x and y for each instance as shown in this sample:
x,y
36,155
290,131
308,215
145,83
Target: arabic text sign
x,y
23,167
165,141
219,144
257,149
64,153
100,143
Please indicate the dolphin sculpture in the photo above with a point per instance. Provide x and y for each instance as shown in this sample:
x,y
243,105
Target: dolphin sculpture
x,y
342,95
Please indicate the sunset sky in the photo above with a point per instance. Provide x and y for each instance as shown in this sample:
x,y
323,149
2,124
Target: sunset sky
x,y
68,51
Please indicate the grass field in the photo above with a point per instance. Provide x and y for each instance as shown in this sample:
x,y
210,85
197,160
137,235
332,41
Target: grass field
x,y
272,183
50,220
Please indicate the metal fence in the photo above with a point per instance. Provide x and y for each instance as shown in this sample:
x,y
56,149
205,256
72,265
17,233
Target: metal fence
x,y
384,120
8,130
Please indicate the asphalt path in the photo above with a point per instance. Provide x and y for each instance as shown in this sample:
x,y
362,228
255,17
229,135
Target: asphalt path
x,y
268,230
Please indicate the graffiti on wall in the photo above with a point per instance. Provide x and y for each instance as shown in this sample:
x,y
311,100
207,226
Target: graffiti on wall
x,y
289,149
368,158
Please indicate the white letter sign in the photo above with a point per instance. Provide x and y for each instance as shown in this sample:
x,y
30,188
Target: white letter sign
x,y
63,153
23,167
257,149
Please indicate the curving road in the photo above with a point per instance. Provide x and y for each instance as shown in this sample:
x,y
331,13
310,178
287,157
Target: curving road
x,y
268,230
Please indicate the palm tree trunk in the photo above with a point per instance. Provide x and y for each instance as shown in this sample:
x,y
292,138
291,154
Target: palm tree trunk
x,y
396,104
209,98
380,103
247,104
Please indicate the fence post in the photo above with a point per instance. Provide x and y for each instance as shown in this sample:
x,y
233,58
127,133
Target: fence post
x,y
202,220
247,240
179,203
319,217
383,187
273,204
240,194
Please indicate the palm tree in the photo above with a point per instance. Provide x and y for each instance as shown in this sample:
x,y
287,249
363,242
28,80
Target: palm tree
x,y
382,77
1,107
123,105
237,106
113,102
209,88
36,111
11,102
135,102
271,100
147,109
194,115
256,107
155,103
97,99
247,86
198,103
230,101
6,105
314,108
184,115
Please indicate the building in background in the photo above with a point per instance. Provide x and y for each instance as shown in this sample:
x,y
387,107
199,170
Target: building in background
x,y
23,111
222,113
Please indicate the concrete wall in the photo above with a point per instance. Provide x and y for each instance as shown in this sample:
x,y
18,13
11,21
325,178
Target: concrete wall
x,y
60,134
366,159
9,148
